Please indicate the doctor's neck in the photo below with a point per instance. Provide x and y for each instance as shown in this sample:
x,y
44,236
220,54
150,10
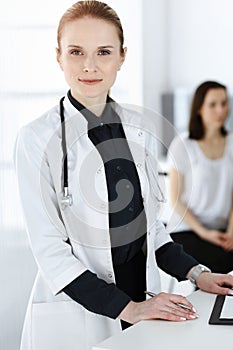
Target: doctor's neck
x,y
95,104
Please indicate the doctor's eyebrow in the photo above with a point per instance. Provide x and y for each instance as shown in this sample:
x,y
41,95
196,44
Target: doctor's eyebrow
x,y
98,47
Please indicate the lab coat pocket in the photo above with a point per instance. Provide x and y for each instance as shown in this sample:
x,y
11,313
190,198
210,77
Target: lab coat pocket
x,y
58,326
101,328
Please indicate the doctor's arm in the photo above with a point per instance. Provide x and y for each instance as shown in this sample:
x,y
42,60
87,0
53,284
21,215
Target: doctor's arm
x,y
183,268
47,233
45,229
176,183
164,305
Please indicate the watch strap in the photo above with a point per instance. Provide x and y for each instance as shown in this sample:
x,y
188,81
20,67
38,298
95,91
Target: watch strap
x,y
198,269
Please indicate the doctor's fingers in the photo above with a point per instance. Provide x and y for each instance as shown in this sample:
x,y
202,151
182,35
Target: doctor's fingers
x,y
170,313
166,305
170,299
152,311
186,310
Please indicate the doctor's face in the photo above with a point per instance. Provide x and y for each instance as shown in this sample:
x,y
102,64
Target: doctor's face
x,y
90,57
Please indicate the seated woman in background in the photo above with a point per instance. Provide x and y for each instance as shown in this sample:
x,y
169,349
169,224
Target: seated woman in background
x,y
201,180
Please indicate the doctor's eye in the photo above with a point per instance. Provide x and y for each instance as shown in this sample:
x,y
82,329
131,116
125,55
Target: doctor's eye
x,y
104,52
76,52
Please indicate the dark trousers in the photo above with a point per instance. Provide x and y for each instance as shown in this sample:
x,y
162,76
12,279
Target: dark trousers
x,y
211,255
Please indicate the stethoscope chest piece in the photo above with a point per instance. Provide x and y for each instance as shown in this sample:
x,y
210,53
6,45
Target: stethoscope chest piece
x,y
66,200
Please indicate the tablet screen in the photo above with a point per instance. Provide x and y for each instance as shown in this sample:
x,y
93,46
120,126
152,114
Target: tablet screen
x,y
227,309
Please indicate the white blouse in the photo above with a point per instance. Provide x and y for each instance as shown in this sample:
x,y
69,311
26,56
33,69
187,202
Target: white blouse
x,y
208,183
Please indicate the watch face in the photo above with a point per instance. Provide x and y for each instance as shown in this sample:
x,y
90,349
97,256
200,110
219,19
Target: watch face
x,y
204,268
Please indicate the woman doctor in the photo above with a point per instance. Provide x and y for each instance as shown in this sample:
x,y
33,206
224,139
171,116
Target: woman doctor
x,y
92,221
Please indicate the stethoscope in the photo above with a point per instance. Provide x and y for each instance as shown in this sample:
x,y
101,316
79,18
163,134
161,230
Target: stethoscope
x,y
67,199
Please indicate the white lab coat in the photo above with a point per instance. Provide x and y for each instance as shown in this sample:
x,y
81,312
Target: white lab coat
x,y
54,321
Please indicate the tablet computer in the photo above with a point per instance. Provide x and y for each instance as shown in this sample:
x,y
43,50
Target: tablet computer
x,y
222,313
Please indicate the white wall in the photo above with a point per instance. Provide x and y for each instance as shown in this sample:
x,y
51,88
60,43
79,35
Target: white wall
x,y
185,42
128,87
200,42
155,51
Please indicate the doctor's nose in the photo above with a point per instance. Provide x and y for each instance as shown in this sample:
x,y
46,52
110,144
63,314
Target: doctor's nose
x,y
89,66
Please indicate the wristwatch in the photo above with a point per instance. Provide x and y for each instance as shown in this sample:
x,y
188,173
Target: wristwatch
x,y
198,269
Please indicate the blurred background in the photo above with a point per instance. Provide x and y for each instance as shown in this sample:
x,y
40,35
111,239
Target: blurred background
x,y
173,46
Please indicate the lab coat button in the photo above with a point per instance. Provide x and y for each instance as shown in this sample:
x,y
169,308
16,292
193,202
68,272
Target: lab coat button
x,y
105,243
140,133
139,165
109,275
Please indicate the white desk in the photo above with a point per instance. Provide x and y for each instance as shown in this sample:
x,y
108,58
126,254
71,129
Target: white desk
x,y
191,335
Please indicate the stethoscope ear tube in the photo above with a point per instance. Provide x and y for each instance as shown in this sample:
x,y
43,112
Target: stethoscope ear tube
x,y
66,198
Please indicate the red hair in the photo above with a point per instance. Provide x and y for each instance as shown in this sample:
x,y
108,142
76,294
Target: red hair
x,y
94,9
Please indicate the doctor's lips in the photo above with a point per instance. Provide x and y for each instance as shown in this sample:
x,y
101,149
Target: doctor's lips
x,y
90,81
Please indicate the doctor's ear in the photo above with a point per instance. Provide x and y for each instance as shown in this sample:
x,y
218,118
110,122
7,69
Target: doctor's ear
x,y
58,55
122,59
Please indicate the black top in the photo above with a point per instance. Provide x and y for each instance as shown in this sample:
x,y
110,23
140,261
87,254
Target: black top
x,y
127,220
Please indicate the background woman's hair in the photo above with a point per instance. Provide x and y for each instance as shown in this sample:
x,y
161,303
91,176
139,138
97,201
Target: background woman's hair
x,y
94,9
196,127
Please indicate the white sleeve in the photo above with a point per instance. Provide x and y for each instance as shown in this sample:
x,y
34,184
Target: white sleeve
x,y
46,231
230,136
177,156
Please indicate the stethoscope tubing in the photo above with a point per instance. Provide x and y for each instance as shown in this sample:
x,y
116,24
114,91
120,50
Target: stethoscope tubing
x,y
64,147
67,197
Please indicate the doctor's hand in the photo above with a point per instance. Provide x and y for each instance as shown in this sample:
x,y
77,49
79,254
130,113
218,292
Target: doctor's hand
x,y
162,306
215,283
